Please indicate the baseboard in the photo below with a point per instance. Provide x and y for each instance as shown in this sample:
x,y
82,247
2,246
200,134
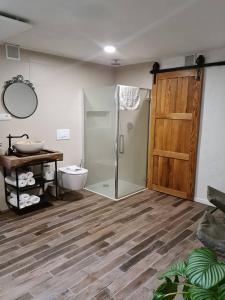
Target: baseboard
x,y
203,201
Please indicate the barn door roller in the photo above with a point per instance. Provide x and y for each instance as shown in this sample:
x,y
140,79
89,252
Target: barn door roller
x,y
200,63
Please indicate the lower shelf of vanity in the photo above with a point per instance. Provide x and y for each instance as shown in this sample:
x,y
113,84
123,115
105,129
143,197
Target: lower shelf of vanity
x,y
39,181
44,202
14,162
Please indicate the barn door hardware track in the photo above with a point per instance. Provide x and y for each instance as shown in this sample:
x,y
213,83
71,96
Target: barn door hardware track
x,y
200,63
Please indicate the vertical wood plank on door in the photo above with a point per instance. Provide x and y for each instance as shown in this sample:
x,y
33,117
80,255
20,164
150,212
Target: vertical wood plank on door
x,y
176,101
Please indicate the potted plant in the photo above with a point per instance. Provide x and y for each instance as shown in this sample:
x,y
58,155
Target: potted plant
x,y
200,277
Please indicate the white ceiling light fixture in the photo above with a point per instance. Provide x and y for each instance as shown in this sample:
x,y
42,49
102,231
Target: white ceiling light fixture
x,y
110,49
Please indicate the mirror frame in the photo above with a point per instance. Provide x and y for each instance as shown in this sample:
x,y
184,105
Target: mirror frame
x,y
19,79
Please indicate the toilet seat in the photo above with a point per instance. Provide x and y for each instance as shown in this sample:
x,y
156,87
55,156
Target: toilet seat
x,y
73,170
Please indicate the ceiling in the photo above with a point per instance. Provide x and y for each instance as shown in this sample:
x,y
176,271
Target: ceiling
x,y
10,27
142,30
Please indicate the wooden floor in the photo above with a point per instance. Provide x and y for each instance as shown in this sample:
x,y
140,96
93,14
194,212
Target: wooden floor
x,y
95,248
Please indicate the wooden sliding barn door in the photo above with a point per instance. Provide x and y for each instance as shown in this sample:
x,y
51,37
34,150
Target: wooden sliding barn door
x,y
175,112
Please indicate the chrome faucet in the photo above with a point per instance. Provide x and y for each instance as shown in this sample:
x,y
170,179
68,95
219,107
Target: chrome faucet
x,y
10,137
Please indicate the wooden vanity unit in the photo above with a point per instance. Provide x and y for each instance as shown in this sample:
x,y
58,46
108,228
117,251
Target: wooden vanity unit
x,y
19,161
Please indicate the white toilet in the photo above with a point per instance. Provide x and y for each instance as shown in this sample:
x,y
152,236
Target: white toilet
x,y
72,178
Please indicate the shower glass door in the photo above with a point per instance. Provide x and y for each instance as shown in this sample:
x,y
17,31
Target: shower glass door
x,y
100,119
132,148
115,144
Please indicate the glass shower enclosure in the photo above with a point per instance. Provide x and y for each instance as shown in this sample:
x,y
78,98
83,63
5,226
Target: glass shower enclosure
x,y
115,143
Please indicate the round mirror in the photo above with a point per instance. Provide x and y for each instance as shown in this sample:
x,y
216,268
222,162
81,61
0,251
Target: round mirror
x,y
19,97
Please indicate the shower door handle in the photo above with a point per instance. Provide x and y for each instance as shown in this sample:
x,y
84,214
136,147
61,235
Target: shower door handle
x,y
121,143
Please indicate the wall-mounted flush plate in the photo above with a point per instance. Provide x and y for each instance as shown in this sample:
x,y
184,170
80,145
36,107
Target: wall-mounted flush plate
x,y
5,117
62,134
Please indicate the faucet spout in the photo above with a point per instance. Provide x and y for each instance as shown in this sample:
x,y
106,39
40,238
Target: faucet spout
x,y
10,137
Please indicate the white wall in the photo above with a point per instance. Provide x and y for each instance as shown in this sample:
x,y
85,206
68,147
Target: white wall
x,y
211,150
58,83
136,75
211,146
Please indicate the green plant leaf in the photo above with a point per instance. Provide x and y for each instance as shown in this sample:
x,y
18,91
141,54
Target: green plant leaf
x,y
197,293
203,269
221,292
178,269
165,288
217,293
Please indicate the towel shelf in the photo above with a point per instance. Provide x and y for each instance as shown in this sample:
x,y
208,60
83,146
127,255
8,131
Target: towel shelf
x,y
41,204
39,183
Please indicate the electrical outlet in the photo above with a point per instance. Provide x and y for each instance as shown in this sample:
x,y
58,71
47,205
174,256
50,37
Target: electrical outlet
x,y
5,117
62,134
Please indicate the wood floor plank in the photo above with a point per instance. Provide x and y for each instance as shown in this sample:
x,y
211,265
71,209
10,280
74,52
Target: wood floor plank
x,y
132,261
26,296
134,284
117,244
146,242
174,241
96,288
22,256
86,246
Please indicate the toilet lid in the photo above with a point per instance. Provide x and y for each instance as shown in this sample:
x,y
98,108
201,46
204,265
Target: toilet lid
x,y
73,170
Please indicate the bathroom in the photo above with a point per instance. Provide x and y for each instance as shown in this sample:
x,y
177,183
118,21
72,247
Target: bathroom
x,y
118,193
59,84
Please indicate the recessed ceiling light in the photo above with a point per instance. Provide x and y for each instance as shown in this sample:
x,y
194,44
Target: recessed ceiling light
x,y
109,49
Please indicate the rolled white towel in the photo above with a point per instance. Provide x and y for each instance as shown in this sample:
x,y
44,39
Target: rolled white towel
x,y
30,181
34,199
13,201
11,180
30,175
28,202
13,195
21,175
49,175
22,197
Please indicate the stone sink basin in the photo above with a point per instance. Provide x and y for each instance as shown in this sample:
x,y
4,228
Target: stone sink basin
x,y
28,146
